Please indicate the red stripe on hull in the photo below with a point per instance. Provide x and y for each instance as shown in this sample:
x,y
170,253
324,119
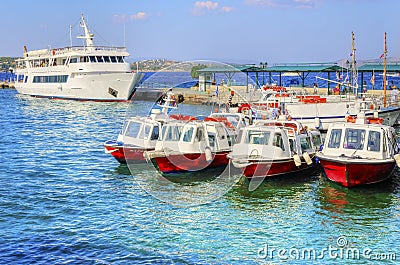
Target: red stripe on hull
x,y
273,168
353,174
126,154
188,162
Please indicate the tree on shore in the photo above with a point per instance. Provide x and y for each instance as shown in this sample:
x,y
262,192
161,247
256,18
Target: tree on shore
x,y
193,73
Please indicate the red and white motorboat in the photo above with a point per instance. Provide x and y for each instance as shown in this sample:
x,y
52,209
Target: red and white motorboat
x,y
359,153
190,145
273,148
140,134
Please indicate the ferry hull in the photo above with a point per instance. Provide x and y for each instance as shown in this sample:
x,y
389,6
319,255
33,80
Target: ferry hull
x,y
350,174
113,87
126,154
273,168
181,163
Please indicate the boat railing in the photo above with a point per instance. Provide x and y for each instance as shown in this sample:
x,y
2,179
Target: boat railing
x,y
56,51
85,48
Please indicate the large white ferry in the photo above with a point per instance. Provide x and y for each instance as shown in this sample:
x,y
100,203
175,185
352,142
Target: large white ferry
x,y
77,72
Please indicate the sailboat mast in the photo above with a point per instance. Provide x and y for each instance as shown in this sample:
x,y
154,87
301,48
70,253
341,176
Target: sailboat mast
x,y
353,65
384,72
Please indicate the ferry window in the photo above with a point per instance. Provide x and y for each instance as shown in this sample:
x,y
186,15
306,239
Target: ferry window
x,y
74,60
84,59
113,59
100,59
26,79
106,59
133,129
187,136
334,139
354,139
120,59
278,141
155,132
374,141
53,79
92,59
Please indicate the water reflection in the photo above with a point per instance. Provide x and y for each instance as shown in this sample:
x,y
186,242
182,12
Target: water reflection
x,y
367,204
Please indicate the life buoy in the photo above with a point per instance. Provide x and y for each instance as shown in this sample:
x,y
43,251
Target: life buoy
x,y
182,117
373,120
351,119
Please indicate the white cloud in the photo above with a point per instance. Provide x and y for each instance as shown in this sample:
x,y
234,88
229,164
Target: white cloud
x,y
138,16
283,3
125,18
227,9
201,7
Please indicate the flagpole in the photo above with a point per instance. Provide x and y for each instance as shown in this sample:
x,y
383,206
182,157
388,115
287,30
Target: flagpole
x,y
384,72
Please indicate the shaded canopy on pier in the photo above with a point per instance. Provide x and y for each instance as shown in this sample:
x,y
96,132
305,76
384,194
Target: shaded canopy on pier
x,y
378,67
302,69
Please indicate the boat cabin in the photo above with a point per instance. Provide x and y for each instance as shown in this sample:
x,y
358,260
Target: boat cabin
x,y
140,131
360,140
194,136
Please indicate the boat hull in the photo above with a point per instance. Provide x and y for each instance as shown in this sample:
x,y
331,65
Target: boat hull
x,y
328,114
267,169
126,154
181,163
357,172
107,87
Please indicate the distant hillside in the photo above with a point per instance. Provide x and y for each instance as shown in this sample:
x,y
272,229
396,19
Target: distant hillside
x,y
6,63
155,65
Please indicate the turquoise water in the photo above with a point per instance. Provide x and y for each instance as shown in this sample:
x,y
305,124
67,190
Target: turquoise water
x,y
64,201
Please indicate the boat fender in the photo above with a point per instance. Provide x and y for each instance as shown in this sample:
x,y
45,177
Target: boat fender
x,y
317,122
307,158
397,159
208,154
376,114
297,160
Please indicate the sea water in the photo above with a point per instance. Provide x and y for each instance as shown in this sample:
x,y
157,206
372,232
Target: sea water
x,y
64,201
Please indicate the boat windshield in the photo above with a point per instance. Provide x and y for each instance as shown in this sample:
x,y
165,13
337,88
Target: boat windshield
x,y
316,140
145,131
354,139
133,129
374,141
305,143
188,134
334,139
257,137
172,132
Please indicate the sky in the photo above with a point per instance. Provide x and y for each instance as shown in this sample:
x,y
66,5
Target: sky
x,y
232,31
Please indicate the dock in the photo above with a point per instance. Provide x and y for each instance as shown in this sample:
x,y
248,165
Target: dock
x,y
6,84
